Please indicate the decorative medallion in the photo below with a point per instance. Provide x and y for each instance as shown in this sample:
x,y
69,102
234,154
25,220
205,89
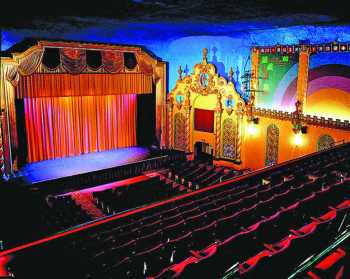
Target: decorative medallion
x,y
229,104
204,79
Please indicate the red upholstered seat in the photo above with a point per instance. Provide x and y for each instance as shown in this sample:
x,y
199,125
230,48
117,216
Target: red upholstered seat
x,y
305,230
329,261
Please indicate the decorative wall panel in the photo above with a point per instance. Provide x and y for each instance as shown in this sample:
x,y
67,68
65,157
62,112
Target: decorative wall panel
x,y
272,140
229,139
180,131
324,142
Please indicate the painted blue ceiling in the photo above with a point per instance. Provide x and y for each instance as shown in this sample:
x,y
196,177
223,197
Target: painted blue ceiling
x,y
180,42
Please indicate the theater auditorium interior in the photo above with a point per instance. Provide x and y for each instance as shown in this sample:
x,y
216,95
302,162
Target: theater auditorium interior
x,y
176,139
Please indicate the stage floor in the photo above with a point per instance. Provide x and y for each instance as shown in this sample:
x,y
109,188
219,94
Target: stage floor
x,y
63,167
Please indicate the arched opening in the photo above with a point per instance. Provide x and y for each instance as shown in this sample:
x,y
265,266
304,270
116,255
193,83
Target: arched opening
x,y
203,151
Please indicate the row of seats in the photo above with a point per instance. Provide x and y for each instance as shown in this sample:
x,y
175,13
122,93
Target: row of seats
x,y
208,231
334,265
134,195
62,212
302,185
300,243
135,233
246,238
200,174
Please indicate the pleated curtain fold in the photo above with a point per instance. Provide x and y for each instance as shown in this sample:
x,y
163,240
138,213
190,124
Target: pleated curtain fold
x,y
64,85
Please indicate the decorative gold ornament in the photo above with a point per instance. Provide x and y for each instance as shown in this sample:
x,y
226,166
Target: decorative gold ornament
x,y
179,100
230,75
229,104
179,71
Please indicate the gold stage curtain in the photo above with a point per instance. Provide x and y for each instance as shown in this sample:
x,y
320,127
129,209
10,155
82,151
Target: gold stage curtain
x,y
28,64
9,78
144,65
65,85
68,126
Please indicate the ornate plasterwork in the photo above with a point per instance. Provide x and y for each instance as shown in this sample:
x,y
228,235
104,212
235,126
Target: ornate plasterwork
x,y
180,131
204,81
307,119
229,139
325,142
272,142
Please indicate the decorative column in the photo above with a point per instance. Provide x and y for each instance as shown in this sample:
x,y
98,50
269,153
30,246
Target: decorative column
x,y
8,80
170,122
187,109
239,116
218,114
303,72
160,81
2,158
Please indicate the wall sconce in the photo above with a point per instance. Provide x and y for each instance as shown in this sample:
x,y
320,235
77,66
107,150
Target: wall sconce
x,y
298,139
297,122
252,128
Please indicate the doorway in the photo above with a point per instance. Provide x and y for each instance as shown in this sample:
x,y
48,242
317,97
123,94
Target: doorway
x,y
203,152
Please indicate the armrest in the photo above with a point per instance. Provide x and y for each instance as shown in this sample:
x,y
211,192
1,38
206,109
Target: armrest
x,y
269,247
195,253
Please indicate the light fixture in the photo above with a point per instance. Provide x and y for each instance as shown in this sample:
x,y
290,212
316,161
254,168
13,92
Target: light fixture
x,y
252,129
298,139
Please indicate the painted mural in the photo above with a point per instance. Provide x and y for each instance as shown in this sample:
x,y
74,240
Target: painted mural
x,y
328,93
277,73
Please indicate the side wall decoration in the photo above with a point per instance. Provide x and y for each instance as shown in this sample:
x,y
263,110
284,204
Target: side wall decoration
x,y
229,139
329,75
213,112
245,133
180,131
277,74
272,141
324,142
307,98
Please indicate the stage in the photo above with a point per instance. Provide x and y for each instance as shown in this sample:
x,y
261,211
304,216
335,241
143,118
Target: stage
x,y
87,163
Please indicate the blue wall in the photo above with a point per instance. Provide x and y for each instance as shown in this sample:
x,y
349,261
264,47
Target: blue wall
x,y
181,43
